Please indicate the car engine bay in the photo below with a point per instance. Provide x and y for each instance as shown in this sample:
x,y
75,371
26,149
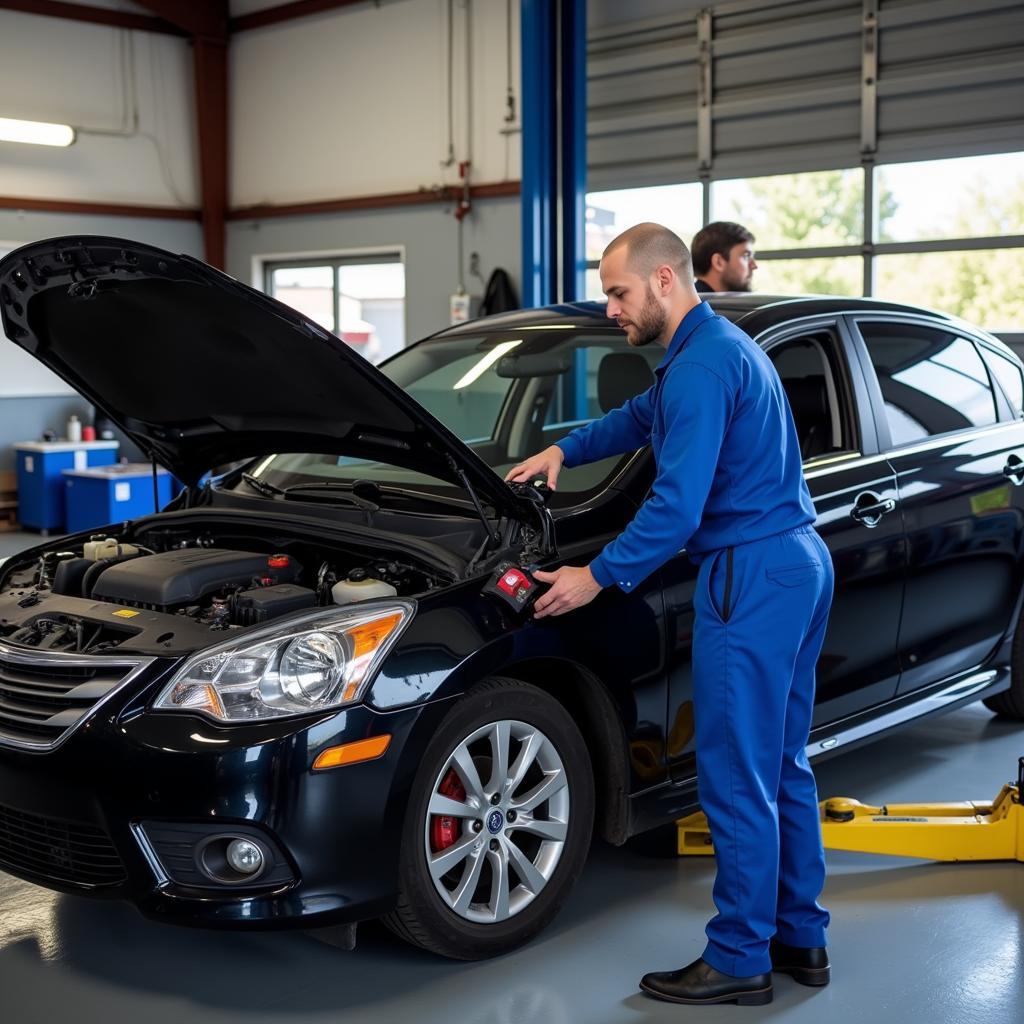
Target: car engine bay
x,y
167,595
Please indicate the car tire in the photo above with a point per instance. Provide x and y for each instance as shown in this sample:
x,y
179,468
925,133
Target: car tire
x,y
1010,703
539,800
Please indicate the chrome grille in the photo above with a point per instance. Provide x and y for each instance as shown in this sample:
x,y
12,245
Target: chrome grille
x,y
44,697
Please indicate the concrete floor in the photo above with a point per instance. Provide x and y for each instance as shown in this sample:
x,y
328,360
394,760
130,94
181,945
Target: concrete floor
x,y
910,941
17,540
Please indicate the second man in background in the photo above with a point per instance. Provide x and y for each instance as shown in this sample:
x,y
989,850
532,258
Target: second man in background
x,y
723,257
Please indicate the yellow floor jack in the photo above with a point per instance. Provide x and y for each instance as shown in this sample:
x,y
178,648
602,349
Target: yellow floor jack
x,y
946,832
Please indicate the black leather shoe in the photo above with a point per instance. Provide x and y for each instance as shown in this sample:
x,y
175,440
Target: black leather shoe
x,y
700,983
809,966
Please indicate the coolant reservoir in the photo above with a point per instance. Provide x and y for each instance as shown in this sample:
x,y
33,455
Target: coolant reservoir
x,y
360,587
107,547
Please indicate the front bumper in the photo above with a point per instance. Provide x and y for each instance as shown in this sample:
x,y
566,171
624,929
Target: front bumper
x,y
337,832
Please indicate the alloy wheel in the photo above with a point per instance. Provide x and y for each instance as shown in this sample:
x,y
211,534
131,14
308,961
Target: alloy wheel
x,y
497,821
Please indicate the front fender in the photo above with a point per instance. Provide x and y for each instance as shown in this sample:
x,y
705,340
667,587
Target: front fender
x,y
460,636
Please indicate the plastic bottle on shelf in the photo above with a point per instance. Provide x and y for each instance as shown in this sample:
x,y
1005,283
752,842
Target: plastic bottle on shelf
x,y
74,428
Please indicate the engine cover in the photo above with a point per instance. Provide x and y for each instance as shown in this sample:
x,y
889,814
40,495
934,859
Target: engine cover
x,y
184,577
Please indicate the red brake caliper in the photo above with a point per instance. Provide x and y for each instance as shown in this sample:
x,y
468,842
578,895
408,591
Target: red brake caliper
x,y
444,830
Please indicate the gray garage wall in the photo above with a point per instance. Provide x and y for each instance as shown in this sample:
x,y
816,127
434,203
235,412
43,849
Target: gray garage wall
x,y
23,419
427,234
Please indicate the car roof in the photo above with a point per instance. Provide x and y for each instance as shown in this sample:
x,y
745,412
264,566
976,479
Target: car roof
x,y
747,307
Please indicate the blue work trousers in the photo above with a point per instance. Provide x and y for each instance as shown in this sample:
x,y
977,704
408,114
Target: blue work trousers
x,y
761,612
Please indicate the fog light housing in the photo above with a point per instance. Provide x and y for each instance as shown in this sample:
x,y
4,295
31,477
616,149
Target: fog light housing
x,y
195,855
245,857
232,859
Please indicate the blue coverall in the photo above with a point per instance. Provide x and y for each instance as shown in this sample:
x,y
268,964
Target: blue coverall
x,y
730,489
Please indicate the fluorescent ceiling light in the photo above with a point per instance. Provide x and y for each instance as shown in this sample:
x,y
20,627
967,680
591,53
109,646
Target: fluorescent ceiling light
x,y
38,133
492,357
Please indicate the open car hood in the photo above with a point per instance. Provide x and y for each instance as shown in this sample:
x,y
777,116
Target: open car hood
x,y
200,370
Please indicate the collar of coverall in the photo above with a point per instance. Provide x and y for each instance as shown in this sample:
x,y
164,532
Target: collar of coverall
x,y
701,312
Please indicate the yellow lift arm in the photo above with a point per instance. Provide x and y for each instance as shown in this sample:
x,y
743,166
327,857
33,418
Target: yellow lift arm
x,y
948,832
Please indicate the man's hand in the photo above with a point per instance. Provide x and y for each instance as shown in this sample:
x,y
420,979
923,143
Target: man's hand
x,y
571,587
547,464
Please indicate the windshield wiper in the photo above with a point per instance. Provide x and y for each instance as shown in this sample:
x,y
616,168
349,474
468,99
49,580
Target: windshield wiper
x,y
262,486
369,507
271,490
332,485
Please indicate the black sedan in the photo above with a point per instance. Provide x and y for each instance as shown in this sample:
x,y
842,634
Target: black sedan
x,y
310,692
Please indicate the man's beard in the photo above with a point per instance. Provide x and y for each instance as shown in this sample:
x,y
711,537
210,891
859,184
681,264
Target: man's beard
x,y
650,323
735,283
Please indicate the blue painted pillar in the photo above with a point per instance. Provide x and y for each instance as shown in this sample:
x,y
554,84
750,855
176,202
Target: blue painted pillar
x,y
554,177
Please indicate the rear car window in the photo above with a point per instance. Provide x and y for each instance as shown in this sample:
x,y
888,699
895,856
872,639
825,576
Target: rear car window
x,y
933,380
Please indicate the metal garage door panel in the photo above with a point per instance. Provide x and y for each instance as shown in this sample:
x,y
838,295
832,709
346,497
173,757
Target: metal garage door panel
x,y
949,79
641,103
786,88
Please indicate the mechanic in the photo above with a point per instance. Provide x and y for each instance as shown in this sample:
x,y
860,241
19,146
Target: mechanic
x,y
729,488
723,257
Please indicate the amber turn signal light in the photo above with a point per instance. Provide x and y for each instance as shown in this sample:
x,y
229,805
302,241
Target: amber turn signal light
x,y
352,753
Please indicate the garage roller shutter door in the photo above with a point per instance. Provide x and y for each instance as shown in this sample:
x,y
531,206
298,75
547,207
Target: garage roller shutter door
x,y
951,78
786,88
642,103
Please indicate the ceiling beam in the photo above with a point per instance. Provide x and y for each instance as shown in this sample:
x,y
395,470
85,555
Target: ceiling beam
x,y
197,17
286,12
207,23
211,79
104,209
93,15
446,194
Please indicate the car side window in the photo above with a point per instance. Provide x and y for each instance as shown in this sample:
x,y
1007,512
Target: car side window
x,y
1010,378
933,381
808,367
603,377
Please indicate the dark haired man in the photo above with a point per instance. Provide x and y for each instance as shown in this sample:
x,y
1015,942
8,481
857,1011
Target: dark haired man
x,y
723,257
730,489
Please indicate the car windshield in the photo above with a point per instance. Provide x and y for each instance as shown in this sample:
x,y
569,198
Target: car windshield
x,y
507,394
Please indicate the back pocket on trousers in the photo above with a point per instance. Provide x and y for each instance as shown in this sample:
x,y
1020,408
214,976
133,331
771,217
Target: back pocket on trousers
x,y
794,575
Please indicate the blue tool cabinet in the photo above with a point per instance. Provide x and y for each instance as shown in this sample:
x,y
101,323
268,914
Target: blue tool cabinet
x,y
40,480
112,494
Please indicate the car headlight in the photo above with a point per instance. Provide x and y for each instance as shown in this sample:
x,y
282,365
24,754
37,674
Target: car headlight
x,y
322,660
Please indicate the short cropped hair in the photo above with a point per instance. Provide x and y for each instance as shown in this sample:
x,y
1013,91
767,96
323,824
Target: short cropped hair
x,y
649,246
719,236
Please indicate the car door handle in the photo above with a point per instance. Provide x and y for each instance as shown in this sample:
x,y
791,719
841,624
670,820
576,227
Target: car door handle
x,y
869,509
1014,470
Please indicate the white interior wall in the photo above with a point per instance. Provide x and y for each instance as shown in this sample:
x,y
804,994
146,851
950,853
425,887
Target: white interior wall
x,y
388,65
354,101
426,234
128,94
